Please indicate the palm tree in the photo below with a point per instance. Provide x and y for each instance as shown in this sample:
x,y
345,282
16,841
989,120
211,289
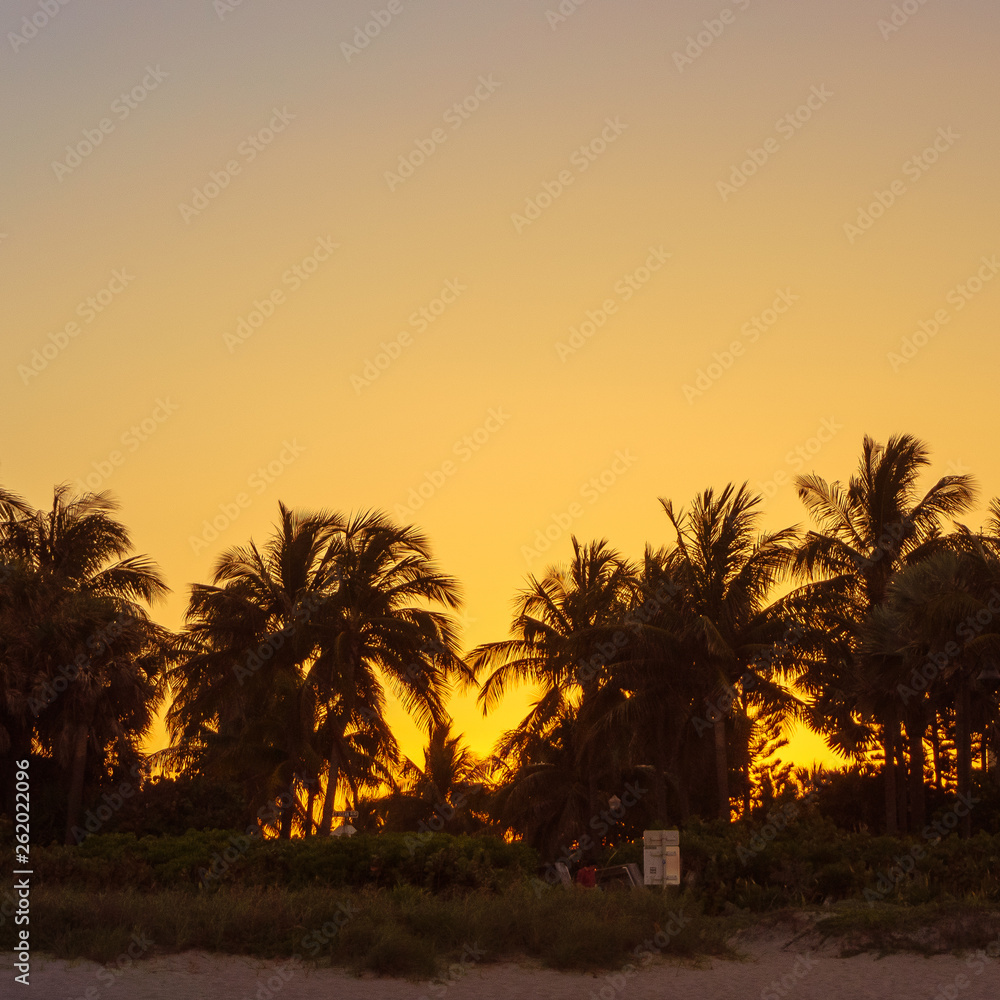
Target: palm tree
x,y
651,691
866,532
84,655
391,637
288,654
243,699
940,624
567,630
726,572
450,784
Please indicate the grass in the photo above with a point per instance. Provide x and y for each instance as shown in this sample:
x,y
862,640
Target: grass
x,y
943,926
410,932
399,906
405,931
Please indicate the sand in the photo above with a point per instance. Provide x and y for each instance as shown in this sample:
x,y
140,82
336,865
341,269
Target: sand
x,y
775,969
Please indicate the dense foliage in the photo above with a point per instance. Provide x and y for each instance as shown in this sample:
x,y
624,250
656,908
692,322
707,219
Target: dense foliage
x,y
665,686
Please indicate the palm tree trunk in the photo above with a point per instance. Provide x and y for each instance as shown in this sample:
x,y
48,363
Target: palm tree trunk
x,y
286,814
722,769
936,747
330,796
747,789
889,775
310,802
78,769
918,811
963,746
902,776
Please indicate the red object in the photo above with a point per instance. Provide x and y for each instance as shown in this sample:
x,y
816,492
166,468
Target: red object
x,y
587,877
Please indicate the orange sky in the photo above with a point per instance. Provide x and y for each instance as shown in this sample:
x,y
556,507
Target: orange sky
x,y
663,244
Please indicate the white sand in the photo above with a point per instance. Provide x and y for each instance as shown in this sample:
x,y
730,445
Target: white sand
x,y
822,976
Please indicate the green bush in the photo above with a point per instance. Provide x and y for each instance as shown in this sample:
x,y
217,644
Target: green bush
x,y
210,859
810,861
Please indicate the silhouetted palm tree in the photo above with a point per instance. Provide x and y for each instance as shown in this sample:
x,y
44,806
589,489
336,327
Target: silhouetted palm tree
x,y
449,785
868,530
77,645
726,572
542,792
244,699
565,635
924,628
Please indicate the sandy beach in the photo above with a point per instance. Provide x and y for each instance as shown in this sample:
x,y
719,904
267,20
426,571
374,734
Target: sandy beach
x,y
773,969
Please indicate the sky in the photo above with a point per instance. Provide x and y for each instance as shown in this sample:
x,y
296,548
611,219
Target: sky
x,y
510,272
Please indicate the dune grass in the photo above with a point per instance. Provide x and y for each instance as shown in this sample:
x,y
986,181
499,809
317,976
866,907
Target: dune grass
x,y
404,906
410,932
405,931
